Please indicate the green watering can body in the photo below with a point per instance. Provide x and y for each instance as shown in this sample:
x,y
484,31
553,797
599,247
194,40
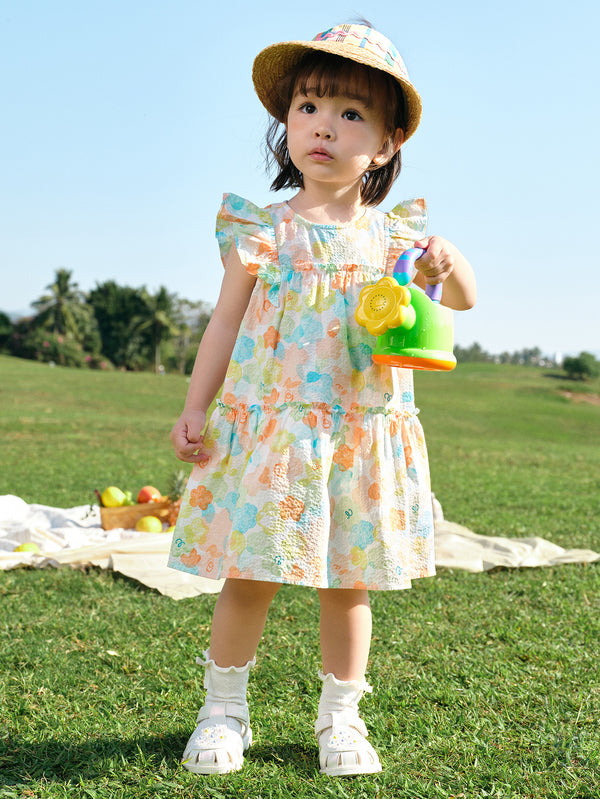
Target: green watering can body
x,y
413,330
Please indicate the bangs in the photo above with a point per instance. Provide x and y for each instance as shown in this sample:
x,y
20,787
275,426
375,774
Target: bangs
x,y
332,76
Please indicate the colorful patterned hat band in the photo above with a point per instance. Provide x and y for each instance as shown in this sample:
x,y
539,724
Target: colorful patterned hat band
x,y
356,42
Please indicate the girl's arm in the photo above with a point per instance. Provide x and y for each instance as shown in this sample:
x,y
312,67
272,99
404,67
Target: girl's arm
x,y
442,262
212,360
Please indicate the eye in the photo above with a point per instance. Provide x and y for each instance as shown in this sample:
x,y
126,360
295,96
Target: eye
x,y
308,108
351,116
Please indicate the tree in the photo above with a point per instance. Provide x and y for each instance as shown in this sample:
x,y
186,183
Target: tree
x,y
116,308
582,367
191,319
6,330
474,353
64,310
158,319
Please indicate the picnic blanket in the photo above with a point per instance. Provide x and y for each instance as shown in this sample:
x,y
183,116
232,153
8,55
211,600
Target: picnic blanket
x,y
74,537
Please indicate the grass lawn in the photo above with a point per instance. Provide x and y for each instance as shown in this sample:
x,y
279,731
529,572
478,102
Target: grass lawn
x,y
486,685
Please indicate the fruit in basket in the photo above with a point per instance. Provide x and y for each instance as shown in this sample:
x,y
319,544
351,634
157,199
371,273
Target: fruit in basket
x,y
177,484
113,497
28,546
149,524
149,494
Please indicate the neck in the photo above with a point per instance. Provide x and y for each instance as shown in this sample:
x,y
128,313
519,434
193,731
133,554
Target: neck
x,y
328,206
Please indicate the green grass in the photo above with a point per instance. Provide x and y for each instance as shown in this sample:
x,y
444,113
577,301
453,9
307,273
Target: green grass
x,y
486,685
66,432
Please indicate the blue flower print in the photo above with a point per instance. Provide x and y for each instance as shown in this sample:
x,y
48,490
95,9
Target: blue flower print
x,y
244,349
244,518
319,387
230,502
360,356
310,330
362,535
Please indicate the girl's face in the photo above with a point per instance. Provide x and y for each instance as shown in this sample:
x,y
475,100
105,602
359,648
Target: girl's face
x,y
334,140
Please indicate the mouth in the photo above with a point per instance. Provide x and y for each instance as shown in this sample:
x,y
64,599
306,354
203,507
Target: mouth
x,y
319,154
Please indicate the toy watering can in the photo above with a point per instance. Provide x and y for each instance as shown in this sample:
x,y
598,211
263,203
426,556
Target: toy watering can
x,y
413,330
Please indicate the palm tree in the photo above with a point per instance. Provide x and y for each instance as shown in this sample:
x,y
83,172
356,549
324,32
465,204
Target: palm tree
x,y
158,319
63,310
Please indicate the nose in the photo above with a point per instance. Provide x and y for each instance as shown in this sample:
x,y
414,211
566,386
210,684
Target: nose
x,y
323,133
324,128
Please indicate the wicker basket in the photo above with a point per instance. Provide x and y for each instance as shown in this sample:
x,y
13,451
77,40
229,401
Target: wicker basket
x,y
127,515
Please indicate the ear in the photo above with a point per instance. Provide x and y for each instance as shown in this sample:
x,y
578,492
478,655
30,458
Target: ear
x,y
390,148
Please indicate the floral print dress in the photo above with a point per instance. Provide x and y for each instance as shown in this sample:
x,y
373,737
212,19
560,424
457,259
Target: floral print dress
x,y
316,471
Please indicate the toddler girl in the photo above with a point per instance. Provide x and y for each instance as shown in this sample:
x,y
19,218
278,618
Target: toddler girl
x,y
312,470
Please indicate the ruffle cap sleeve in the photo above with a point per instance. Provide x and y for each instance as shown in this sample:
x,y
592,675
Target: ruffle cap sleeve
x,y
251,230
407,223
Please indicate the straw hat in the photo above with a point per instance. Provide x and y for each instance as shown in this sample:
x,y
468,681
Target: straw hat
x,y
356,42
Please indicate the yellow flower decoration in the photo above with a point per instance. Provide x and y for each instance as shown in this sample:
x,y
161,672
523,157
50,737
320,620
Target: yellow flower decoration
x,y
382,306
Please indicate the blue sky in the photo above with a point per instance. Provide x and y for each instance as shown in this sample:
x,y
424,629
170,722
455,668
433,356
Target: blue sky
x,y
124,122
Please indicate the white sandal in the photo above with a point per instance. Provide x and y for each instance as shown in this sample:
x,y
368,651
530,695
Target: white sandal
x,y
223,734
342,735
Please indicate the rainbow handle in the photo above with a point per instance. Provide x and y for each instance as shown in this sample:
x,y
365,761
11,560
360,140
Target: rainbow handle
x,y
405,269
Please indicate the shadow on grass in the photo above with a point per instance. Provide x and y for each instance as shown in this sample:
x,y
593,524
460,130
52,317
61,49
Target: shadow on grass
x,y
64,760
22,761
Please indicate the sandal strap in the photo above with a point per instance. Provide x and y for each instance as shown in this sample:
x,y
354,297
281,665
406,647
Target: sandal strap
x,y
218,712
341,718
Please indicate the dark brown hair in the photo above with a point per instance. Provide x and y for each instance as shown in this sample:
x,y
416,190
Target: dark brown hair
x,y
330,75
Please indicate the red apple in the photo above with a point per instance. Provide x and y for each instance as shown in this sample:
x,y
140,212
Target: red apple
x,y
149,494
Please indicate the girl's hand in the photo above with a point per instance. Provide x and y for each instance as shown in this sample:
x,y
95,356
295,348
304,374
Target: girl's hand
x,y
442,262
186,436
438,261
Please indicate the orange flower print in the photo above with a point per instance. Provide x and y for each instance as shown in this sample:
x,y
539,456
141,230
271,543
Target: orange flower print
x,y
310,419
295,575
344,457
265,477
374,491
269,429
193,559
272,398
407,448
200,497
397,519
291,508
272,337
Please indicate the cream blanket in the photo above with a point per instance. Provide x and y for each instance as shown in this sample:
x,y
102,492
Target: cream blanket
x,y
74,537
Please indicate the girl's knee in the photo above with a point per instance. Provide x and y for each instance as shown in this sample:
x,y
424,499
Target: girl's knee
x,y
343,597
251,590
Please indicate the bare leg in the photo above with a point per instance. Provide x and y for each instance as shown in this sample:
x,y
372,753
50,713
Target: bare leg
x,y
345,632
345,643
239,620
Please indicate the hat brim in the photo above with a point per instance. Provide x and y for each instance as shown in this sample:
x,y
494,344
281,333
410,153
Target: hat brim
x,y
273,63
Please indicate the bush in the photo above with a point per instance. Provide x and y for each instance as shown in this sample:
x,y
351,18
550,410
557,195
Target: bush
x,y
98,362
39,345
6,331
582,367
